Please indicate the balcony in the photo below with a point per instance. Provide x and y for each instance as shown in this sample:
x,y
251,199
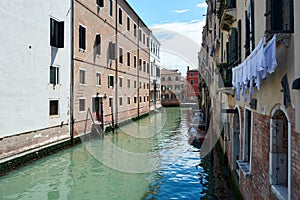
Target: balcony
x,y
227,14
225,76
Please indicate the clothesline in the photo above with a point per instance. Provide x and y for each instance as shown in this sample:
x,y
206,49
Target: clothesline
x,y
258,65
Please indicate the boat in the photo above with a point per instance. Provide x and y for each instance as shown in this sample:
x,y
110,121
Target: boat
x,y
197,129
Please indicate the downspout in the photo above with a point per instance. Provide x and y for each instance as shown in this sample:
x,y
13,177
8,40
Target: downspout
x,y
116,61
72,75
138,70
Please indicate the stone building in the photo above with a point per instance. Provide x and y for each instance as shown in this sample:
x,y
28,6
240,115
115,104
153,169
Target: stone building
x,y
250,58
172,87
192,90
110,62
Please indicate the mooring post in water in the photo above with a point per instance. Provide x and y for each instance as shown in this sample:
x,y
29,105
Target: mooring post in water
x,y
112,116
101,114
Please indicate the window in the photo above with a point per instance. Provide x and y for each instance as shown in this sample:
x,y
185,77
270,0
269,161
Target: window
x,y
147,41
140,84
169,87
247,141
144,85
140,34
128,83
128,59
177,87
53,107
140,99
144,38
140,64
56,33
98,79
110,102
134,99
82,76
120,16
110,8
192,73
120,101
128,100
134,61
98,44
169,78
134,84
121,55
279,16
112,48
176,78
100,3
144,98
82,32
54,75
148,68
134,30
128,24
192,82
81,105
120,82
163,78
144,66
110,81
147,85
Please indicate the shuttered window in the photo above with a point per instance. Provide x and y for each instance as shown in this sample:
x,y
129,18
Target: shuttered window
x,y
279,16
233,55
82,33
112,47
56,33
100,3
98,44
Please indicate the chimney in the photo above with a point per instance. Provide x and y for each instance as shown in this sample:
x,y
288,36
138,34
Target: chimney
x,y
188,68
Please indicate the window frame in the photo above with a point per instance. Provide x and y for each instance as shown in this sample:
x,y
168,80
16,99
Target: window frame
x,y
56,33
57,110
56,78
82,80
82,37
80,100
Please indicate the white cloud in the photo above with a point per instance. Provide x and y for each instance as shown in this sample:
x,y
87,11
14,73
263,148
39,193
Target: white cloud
x,y
180,43
181,11
201,5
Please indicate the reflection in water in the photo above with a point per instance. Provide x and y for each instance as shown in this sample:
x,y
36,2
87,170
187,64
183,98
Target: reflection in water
x,y
78,173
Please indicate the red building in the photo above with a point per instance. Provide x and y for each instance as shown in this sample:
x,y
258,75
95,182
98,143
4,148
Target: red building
x,y
192,78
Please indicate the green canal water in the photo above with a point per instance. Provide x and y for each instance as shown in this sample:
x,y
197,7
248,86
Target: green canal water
x,y
146,159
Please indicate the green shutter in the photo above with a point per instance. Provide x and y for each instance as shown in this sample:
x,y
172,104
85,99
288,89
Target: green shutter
x,y
276,13
233,46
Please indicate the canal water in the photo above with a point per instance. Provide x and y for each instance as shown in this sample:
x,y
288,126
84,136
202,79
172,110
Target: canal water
x,y
145,159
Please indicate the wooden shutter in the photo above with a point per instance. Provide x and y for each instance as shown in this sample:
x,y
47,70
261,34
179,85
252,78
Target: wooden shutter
x,y
247,34
276,14
98,44
268,15
60,42
100,3
233,46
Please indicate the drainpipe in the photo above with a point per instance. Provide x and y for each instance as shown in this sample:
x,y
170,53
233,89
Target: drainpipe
x,y
116,61
138,70
71,75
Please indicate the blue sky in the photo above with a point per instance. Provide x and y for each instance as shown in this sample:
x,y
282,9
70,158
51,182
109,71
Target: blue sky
x,y
178,26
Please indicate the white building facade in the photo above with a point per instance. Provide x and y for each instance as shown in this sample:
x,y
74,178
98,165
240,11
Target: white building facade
x,y
35,67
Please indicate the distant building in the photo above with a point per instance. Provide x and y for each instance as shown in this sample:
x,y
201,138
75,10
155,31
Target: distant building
x,y
154,73
172,87
192,91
